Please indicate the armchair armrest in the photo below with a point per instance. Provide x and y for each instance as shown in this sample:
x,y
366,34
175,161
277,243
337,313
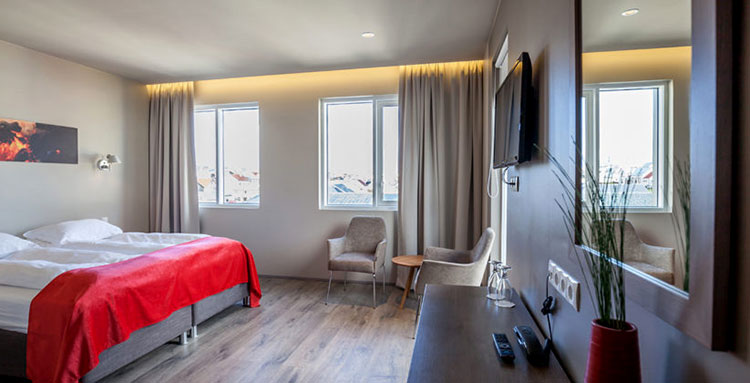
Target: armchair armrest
x,y
449,273
662,257
336,247
447,255
380,253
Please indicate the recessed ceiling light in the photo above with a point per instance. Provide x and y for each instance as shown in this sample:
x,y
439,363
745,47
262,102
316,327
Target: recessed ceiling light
x,y
368,35
630,12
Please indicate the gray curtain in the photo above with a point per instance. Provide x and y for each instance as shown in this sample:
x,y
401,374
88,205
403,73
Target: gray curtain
x,y
441,192
173,191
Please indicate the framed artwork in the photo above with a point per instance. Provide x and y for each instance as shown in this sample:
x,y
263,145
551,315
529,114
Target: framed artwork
x,y
27,141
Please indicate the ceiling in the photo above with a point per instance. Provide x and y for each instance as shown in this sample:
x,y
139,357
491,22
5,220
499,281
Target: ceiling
x,y
660,23
171,40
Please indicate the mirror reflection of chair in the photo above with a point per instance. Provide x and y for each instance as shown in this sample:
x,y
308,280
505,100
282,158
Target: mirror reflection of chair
x,y
361,250
655,261
454,267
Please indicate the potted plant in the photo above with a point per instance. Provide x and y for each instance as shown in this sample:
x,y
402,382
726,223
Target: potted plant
x,y
596,228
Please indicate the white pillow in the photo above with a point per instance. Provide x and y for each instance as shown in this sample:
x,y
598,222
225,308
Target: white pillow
x,y
84,230
10,244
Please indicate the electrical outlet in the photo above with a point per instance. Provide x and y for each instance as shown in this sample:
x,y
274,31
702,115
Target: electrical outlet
x,y
567,286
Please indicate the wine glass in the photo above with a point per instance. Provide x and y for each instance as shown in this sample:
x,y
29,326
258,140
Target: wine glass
x,y
505,291
493,283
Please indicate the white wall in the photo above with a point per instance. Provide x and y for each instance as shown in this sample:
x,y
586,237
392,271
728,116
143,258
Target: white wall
x,y
288,233
111,116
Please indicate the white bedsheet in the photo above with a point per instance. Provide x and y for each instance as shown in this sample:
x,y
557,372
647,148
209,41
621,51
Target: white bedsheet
x,y
24,273
14,307
34,274
155,238
68,256
132,243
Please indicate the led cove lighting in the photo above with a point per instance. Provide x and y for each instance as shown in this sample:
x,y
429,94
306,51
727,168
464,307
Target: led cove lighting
x,y
368,35
630,12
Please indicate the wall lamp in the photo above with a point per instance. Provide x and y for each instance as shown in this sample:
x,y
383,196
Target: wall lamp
x,y
105,163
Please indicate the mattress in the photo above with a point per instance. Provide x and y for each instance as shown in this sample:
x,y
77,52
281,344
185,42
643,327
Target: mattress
x,y
15,299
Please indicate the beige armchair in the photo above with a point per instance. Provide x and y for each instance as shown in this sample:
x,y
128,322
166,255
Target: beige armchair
x,y
653,260
454,267
361,250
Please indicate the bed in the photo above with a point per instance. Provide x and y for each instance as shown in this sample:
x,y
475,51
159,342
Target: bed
x,y
116,263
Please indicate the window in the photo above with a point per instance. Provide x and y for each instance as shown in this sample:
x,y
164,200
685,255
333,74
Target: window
x,y
359,152
502,64
626,133
499,216
228,168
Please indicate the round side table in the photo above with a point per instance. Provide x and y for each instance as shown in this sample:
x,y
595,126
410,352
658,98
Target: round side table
x,y
413,262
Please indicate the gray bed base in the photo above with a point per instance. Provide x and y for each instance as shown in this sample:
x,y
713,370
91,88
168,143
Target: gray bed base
x,y
215,304
141,342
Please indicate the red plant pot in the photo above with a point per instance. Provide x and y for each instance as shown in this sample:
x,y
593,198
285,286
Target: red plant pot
x,y
613,355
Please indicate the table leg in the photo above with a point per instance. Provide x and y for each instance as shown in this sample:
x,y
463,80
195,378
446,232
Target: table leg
x,y
407,287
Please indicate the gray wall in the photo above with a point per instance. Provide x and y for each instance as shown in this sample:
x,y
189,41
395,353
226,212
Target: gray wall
x,y
537,235
287,234
111,116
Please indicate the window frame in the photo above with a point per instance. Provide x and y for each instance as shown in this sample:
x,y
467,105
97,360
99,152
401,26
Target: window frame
x,y
501,69
379,102
219,126
662,135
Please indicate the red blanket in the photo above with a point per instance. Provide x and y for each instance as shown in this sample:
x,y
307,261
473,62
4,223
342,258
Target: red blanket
x,y
85,311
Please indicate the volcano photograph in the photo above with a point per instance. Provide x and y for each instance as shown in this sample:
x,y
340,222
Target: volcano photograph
x,y
26,141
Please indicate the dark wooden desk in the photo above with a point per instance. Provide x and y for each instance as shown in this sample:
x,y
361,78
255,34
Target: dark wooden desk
x,y
454,340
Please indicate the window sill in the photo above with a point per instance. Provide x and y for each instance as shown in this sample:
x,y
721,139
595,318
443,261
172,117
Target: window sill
x,y
647,210
240,207
359,208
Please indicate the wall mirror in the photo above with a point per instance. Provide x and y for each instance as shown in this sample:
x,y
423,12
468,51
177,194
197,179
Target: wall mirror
x,y
635,70
655,112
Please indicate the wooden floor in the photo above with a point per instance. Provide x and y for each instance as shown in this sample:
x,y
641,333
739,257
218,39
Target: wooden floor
x,y
292,337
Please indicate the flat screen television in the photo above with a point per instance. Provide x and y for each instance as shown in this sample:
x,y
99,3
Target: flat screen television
x,y
514,116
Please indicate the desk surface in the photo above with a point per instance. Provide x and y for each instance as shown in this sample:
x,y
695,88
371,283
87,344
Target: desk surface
x,y
454,340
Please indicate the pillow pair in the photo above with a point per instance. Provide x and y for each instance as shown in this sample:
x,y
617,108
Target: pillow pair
x,y
84,230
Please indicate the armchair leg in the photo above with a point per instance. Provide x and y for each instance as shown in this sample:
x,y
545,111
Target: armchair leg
x,y
373,290
330,276
385,276
416,318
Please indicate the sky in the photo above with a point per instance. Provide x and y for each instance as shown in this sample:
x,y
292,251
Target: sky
x,y
350,138
626,127
241,139
350,135
205,138
390,148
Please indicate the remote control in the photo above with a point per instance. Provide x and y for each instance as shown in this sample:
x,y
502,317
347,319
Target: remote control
x,y
503,348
